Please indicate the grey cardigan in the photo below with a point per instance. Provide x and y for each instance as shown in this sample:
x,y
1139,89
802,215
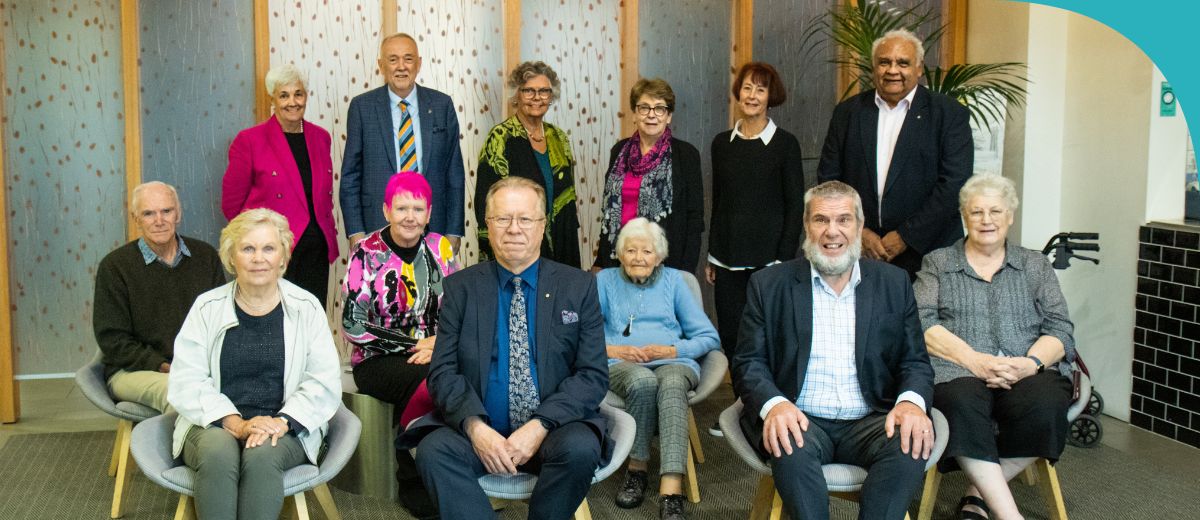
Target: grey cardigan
x,y
1003,317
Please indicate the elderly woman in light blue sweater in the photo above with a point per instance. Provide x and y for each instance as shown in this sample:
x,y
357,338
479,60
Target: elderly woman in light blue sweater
x,y
655,330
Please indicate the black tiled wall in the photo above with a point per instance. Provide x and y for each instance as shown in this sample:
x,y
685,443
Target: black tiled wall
x,y
1166,352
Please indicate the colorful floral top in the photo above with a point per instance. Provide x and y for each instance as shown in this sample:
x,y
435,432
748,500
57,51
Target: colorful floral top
x,y
391,303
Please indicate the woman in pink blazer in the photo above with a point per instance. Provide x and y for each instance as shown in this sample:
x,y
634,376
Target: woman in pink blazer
x,y
283,164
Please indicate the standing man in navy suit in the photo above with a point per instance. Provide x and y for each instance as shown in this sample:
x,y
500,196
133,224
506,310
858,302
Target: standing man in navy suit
x,y
518,372
401,126
907,151
831,367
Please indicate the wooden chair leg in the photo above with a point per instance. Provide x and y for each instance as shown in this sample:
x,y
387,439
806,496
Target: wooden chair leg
x,y
116,451
776,512
498,504
1029,476
1051,492
692,480
186,510
933,480
760,507
325,503
123,469
694,436
295,507
583,512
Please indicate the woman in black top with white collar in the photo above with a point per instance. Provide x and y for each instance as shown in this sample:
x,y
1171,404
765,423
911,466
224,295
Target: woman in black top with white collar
x,y
757,194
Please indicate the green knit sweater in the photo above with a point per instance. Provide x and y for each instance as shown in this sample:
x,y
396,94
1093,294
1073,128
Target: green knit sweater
x,y
138,308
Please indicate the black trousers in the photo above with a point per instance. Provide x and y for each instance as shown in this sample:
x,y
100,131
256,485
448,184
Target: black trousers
x,y
989,424
892,475
392,379
309,266
729,297
565,464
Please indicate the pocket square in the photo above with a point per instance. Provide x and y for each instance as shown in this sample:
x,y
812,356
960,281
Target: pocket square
x,y
569,317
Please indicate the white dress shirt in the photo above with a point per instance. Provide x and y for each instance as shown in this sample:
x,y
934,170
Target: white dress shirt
x,y
831,389
415,112
891,120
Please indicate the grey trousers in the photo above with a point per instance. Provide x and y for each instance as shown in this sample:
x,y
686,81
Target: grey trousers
x,y
232,482
657,400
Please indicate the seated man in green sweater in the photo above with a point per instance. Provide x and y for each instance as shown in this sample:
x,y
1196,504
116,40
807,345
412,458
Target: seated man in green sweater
x,y
144,290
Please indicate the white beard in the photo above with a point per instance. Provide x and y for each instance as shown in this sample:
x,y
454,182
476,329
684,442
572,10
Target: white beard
x,y
832,266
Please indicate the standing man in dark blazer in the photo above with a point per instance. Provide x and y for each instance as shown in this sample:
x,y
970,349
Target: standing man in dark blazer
x,y
518,372
401,126
831,367
907,151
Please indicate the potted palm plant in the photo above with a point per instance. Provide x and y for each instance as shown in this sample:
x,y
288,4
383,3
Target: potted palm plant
x,y
984,88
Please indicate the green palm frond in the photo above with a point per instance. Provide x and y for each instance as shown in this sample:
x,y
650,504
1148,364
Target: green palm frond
x,y
984,88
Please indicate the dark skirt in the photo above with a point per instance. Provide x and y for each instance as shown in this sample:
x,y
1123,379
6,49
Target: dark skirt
x,y
989,424
309,266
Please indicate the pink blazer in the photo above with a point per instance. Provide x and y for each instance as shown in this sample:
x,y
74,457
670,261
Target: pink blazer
x,y
262,174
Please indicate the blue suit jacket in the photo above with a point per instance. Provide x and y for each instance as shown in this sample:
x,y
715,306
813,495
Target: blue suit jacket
x,y
370,160
572,362
775,339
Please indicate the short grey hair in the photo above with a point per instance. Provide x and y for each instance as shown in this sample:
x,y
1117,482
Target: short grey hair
x,y
393,36
988,184
903,34
135,199
523,72
642,228
242,224
834,190
283,75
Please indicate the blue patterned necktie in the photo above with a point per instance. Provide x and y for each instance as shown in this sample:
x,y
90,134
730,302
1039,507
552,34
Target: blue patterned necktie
x,y
522,393
408,141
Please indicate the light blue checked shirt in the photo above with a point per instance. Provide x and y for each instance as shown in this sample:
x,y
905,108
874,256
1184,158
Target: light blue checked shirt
x,y
149,256
415,111
831,389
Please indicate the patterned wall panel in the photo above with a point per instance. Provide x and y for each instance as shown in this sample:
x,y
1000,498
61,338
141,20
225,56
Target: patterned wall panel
x,y
810,80
197,93
64,162
336,44
462,48
687,44
581,41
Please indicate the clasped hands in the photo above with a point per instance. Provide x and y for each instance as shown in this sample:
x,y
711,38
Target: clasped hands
x,y
502,455
785,419
422,353
886,248
644,354
1000,372
255,432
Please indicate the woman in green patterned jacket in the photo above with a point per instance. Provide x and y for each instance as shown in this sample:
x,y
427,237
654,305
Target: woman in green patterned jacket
x,y
526,146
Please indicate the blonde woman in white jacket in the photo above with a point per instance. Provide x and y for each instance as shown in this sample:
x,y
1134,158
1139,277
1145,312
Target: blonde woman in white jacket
x,y
255,378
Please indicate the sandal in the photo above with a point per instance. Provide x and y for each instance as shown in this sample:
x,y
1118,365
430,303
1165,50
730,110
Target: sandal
x,y
972,500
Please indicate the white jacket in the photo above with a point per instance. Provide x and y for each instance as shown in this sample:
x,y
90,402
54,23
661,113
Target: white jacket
x,y
312,383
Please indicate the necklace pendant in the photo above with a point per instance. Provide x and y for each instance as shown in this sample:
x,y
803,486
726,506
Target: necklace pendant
x,y
628,328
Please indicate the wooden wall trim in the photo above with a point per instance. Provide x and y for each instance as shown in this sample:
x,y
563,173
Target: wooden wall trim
x,y
630,38
262,59
512,45
389,14
10,390
954,40
131,83
742,48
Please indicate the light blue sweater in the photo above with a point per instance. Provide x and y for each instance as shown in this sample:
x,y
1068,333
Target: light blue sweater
x,y
665,313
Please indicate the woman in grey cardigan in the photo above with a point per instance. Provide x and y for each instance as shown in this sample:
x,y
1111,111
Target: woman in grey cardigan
x,y
255,379
1001,344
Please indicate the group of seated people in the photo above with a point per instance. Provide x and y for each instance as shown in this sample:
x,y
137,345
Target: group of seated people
x,y
500,367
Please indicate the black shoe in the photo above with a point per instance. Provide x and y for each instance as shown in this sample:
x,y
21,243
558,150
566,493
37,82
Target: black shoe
x,y
670,507
633,492
715,430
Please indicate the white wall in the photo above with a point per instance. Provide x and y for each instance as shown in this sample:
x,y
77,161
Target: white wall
x,y
1168,147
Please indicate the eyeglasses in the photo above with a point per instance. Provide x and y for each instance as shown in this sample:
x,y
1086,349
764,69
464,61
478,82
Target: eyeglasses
x,y
659,110
507,220
976,215
530,93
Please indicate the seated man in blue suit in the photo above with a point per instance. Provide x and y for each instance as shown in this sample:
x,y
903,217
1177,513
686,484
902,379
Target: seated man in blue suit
x,y
831,367
518,371
401,126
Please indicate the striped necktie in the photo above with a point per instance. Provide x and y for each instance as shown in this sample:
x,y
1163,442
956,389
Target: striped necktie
x,y
408,141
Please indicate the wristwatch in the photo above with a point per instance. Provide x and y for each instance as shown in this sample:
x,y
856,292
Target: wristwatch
x,y
1041,367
